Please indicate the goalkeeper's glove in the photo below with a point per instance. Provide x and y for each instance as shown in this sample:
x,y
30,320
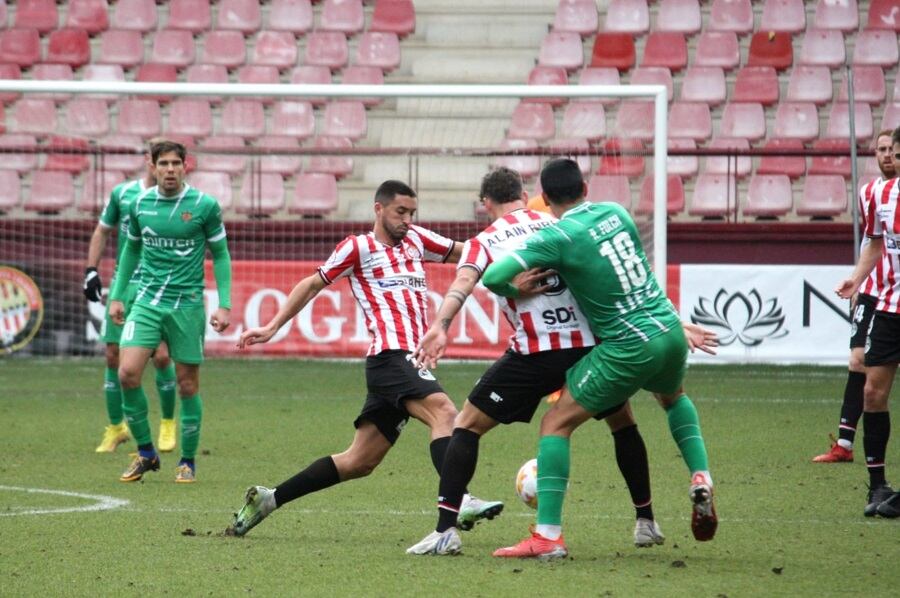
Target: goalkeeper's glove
x,y
93,287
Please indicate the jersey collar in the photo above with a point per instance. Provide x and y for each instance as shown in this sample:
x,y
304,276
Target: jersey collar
x,y
582,207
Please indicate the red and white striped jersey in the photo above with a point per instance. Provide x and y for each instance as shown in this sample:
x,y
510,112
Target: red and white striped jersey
x,y
875,282
540,323
389,283
885,223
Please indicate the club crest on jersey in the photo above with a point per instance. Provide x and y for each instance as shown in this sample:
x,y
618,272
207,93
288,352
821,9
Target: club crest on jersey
x,y
411,251
186,216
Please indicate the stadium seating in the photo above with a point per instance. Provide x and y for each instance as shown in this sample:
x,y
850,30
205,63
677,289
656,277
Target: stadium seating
x,y
576,16
653,75
599,76
207,73
339,166
294,118
345,118
9,190
139,117
109,73
842,15
231,163
327,48
532,121
574,149
824,196
839,165
293,16
744,120
9,71
399,17
216,184
172,46
674,195
32,116
823,47
788,16
612,164
791,166
52,191
63,155
87,117
190,116
876,48
667,49
139,15
240,15
69,46
683,166
224,48
690,120
797,120
771,49
37,14
259,74
769,196
839,122
584,119
891,117
715,196
704,84
122,47
757,84
262,194
52,72
635,119
718,49
883,15
192,15
345,16
157,73
682,16
275,48
24,162
615,188
734,165
868,85
124,162
313,75
89,15
615,50
314,194
378,49
543,75
244,118
731,15
561,49
284,164
810,84
526,166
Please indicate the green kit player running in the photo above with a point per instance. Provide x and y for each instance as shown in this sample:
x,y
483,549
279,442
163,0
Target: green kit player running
x,y
169,227
115,216
596,250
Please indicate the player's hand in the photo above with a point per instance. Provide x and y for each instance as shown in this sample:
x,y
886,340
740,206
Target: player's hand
x,y
221,319
255,336
92,287
117,312
700,338
431,347
532,282
846,288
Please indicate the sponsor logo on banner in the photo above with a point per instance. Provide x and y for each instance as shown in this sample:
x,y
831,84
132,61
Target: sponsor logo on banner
x,y
21,309
736,316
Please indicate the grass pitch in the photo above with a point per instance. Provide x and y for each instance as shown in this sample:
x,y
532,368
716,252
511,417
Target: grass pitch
x,y
787,526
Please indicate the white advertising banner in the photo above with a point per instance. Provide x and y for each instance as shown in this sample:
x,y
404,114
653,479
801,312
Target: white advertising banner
x,y
776,314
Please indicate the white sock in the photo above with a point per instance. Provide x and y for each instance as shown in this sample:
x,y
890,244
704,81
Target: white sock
x,y
551,532
844,443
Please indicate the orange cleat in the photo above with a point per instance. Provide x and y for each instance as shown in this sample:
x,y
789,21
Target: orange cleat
x,y
535,547
837,454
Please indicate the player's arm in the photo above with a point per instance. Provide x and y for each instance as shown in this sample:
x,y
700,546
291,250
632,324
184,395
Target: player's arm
x,y
499,275
868,257
128,261
302,294
699,337
93,286
455,253
221,259
434,342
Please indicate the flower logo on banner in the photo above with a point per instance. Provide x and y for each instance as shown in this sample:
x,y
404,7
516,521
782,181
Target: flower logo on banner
x,y
739,317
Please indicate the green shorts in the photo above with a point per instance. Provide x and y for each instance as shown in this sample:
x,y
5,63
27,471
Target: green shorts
x,y
110,332
183,330
609,375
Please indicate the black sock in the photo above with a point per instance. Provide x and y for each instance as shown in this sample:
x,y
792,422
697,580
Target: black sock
x,y
320,474
877,430
852,408
631,455
460,459
438,448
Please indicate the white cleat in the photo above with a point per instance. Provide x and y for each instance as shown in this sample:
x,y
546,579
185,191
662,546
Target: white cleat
x,y
647,533
473,509
437,543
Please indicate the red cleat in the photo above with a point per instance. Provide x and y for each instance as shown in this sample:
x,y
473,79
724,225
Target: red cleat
x,y
704,521
837,454
535,547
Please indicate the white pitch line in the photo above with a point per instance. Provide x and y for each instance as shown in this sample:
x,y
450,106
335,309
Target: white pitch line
x,y
102,502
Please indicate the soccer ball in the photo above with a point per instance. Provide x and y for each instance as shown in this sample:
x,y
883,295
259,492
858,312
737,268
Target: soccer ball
x,y
526,483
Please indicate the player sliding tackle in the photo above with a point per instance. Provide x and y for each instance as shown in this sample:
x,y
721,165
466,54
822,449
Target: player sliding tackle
x,y
596,249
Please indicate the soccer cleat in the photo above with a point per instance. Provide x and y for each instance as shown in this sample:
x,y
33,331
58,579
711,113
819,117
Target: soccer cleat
x,y
259,501
647,533
875,497
472,510
113,436
703,517
536,547
890,507
836,454
166,442
184,474
139,466
438,543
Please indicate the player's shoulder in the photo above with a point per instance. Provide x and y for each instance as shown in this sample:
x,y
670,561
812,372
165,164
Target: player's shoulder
x,y
124,187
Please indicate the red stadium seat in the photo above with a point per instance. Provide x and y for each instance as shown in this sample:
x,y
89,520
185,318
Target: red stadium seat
x,y
704,84
797,120
378,49
715,196
615,50
630,166
883,14
839,165
33,116
769,196
262,194
224,48
339,166
69,46
665,48
810,83
124,162
823,47
216,184
682,16
731,15
275,48
232,163
690,120
207,73
839,121
674,195
614,188
139,117
791,166
139,15
364,75
744,120
312,75
399,16
824,196
876,48
548,75
255,73
532,121
327,48
599,76
241,15
294,118
842,15
345,118
172,46
584,119
86,117
576,16
788,16
683,166
245,118
9,190
9,72
151,72
109,73
314,194
757,84
733,164
90,15
345,16
868,85
719,49
653,75
561,49
68,160
574,149
190,116
284,164
37,14
52,72
192,15
24,162
526,166
294,16
891,117
627,16
771,49
895,94
52,191
121,47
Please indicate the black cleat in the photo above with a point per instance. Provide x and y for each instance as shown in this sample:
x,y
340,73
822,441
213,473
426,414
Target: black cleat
x,y
890,508
876,496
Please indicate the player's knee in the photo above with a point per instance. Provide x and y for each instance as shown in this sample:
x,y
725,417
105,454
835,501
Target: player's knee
x,y
188,387
874,397
857,361
353,465
129,377
161,362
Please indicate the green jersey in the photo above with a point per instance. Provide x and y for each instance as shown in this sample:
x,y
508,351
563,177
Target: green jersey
x,y
115,215
173,232
597,251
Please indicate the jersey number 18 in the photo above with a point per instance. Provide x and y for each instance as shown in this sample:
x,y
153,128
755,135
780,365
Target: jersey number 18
x,y
625,261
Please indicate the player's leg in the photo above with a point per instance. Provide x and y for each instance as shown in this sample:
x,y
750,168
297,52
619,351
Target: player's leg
x,y
183,331
117,431
132,360
165,386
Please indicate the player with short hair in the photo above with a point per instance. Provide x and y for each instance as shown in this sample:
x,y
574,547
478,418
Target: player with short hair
x,y
170,227
387,279
862,310
550,334
115,217
597,251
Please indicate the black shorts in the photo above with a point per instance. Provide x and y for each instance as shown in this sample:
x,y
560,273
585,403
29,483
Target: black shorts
x,y
391,378
512,388
861,318
883,344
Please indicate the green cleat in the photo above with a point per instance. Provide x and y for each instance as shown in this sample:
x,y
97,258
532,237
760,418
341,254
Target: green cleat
x,y
259,501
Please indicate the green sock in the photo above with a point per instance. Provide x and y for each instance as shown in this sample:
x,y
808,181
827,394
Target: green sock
x,y
165,384
553,478
684,424
136,413
113,393
191,418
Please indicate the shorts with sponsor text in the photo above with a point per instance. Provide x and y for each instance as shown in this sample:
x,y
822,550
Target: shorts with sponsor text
x,y
883,344
183,330
861,318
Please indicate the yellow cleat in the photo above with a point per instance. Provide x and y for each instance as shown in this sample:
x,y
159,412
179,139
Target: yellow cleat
x,y
113,436
184,474
166,442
